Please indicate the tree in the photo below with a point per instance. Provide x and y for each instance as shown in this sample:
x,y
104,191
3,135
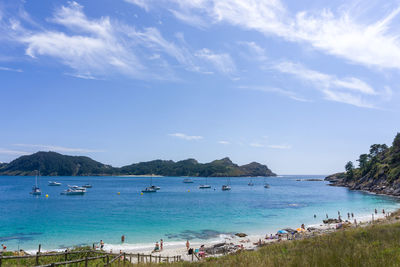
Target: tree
x,y
349,169
396,142
377,149
363,161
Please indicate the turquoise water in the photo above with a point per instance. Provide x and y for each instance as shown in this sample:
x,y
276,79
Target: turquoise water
x,y
173,213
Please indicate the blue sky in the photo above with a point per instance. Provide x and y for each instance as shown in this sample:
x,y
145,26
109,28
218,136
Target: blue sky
x,y
302,86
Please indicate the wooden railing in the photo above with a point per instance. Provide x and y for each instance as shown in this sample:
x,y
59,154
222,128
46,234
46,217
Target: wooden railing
x,y
125,257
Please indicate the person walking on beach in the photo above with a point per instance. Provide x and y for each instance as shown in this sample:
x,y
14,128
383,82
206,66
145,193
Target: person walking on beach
x,y
4,247
352,215
101,244
327,216
383,211
161,244
187,245
348,215
376,211
122,238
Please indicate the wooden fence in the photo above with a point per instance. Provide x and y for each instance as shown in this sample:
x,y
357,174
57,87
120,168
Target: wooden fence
x,y
108,258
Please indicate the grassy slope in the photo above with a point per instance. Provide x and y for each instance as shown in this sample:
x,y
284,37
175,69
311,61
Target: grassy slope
x,y
377,245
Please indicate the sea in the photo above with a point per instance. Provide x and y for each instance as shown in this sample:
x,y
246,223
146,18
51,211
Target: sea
x,y
114,206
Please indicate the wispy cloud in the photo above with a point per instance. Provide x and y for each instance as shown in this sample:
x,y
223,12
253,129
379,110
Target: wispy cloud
x,y
222,142
349,90
284,146
347,32
286,93
58,148
255,52
186,137
10,69
221,62
13,152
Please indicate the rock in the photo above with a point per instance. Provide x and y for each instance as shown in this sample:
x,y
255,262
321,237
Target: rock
x,y
330,220
240,234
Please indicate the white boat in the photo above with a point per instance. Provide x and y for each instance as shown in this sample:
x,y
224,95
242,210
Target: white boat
x,y
266,185
152,188
54,183
75,187
71,191
35,189
149,190
227,186
188,181
205,186
87,186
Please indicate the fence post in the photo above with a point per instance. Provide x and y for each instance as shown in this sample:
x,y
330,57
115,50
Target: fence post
x,y
108,260
192,256
150,257
123,259
40,246
167,259
86,261
1,257
37,258
159,258
138,258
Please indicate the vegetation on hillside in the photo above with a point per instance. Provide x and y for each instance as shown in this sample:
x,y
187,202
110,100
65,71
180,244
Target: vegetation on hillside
x,y
55,164
378,170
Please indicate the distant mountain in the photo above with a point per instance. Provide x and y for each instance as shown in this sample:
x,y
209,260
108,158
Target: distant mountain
x,y
55,164
378,171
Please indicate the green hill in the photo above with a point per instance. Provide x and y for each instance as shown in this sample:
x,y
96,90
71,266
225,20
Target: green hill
x,y
378,171
55,164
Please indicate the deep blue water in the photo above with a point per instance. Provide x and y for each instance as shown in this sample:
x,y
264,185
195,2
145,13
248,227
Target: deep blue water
x,y
177,212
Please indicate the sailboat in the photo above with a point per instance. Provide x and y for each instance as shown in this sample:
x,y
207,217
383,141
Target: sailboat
x,y
152,188
227,186
250,183
205,186
35,189
265,184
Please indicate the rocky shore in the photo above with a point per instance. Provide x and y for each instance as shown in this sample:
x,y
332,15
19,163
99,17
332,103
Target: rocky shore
x,y
370,184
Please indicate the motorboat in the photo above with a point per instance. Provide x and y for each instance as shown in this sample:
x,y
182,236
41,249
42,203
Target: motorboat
x,y
226,188
71,191
87,186
54,183
155,187
188,181
204,186
149,190
266,185
75,187
250,184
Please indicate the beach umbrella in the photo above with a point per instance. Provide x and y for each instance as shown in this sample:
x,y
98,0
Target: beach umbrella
x,y
282,232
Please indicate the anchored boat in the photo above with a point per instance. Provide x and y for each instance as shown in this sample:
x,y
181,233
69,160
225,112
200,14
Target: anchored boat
x,y
54,183
188,181
205,186
35,189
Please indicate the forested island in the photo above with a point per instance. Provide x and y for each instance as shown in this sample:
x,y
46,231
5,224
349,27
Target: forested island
x,y
378,171
56,164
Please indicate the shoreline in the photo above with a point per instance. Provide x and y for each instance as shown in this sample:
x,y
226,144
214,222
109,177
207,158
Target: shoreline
x,y
231,242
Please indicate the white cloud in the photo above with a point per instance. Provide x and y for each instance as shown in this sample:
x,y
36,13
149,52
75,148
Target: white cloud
x,y
349,90
285,146
222,62
256,52
222,142
13,152
186,137
58,148
10,69
349,32
286,93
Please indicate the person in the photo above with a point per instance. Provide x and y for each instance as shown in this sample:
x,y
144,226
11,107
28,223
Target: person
x,y
376,211
101,244
303,226
355,222
156,247
161,244
348,215
352,215
187,245
383,211
315,216
122,238
190,251
327,216
4,247
338,213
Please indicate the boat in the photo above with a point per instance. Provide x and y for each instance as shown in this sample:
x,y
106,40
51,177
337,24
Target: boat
x,y
71,191
205,186
188,181
35,189
250,183
155,187
54,183
266,185
227,186
149,190
87,186
152,188
75,187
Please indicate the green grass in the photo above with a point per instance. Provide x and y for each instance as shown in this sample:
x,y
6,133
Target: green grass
x,y
377,245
